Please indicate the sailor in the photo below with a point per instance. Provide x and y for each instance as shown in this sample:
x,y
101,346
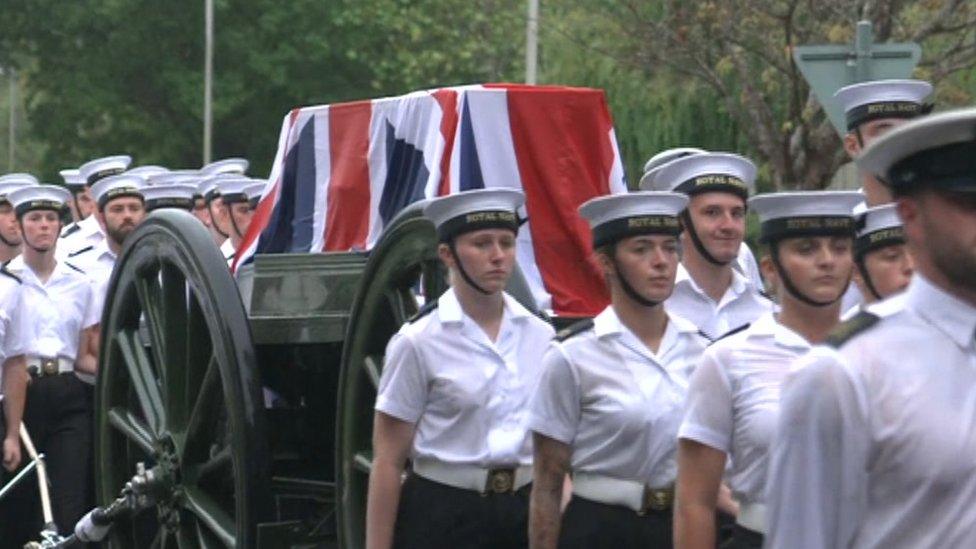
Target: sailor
x,y
884,266
64,315
874,108
10,238
612,391
708,291
13,387
170,195
81,203
877,431
119,210
233,216
210,174
733,399
746,261
454,393
88,232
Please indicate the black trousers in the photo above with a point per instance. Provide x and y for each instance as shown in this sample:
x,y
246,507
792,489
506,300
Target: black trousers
x,y
433,516
58,417
744,538
588,524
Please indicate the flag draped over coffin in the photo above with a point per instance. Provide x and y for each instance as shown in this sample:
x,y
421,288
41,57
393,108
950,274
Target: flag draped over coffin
x,y
343,171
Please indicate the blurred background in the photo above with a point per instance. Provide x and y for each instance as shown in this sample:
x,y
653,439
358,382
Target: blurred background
x,y
88,78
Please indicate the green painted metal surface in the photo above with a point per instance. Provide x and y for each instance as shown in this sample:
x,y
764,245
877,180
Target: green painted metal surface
x,y
828,68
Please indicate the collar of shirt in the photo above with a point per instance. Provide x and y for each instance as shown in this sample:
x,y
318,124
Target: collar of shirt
x,y
951,315
89,226
608,324
767,326
227,249
739,282
27,275
449,308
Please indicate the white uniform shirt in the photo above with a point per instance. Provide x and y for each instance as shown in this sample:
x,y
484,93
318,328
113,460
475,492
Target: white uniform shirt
x,y
97,263
614,401
58,310
88,234
741,304
747,265
876,445
12,322
733,402
227,250
467,396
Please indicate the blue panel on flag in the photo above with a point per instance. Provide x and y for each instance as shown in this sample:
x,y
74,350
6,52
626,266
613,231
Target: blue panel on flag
x,y
276,236
304,209
406,175
469,172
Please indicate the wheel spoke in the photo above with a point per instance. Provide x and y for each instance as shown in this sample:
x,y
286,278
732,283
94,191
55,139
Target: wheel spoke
x,y
132,428
149,293
363,461
209,514
143,381
159,542
174,314
204,406
371,364
186,533
223,459
398,306
433,280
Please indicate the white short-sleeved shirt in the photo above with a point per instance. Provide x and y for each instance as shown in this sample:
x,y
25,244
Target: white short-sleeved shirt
x,y
733,402
12,321
227,250
97,262
58,310
614,401
876,444
467,396
742,304
89,233
747,265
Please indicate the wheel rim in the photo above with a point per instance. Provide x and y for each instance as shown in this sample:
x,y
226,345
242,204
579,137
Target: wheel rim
x,y
188,404
405,255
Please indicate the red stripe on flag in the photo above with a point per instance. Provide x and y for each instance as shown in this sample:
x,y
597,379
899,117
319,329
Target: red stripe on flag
x,y
447,99
565,157
347,215
262,214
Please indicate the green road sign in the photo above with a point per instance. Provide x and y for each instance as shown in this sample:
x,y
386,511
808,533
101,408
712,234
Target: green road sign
x,y
828,68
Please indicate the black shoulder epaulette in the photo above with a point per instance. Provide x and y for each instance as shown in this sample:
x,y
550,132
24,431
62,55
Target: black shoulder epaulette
x,y
428,308
855,325
765,294
81,251
575,328
4,271
731,332
73,267
71,230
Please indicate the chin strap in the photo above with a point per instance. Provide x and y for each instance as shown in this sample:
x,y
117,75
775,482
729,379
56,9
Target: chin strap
x,y
863,269
794,291
699,245
464,274
628,289
7,242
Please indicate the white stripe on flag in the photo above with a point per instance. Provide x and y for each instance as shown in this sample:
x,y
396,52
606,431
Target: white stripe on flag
x,y
323,172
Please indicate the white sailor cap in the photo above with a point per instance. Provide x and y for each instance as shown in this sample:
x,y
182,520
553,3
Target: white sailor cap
x,y
209,186
659,160
232,188
72,178
805,213
93,170
116,186
876,228
707,172
936,151
254,191
619,216
868,101
169,195
235,166
172,177
147,171
7,187
474,210
19,178
39,197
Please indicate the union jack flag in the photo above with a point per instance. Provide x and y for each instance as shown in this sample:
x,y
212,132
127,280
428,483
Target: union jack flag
x,y
343,171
